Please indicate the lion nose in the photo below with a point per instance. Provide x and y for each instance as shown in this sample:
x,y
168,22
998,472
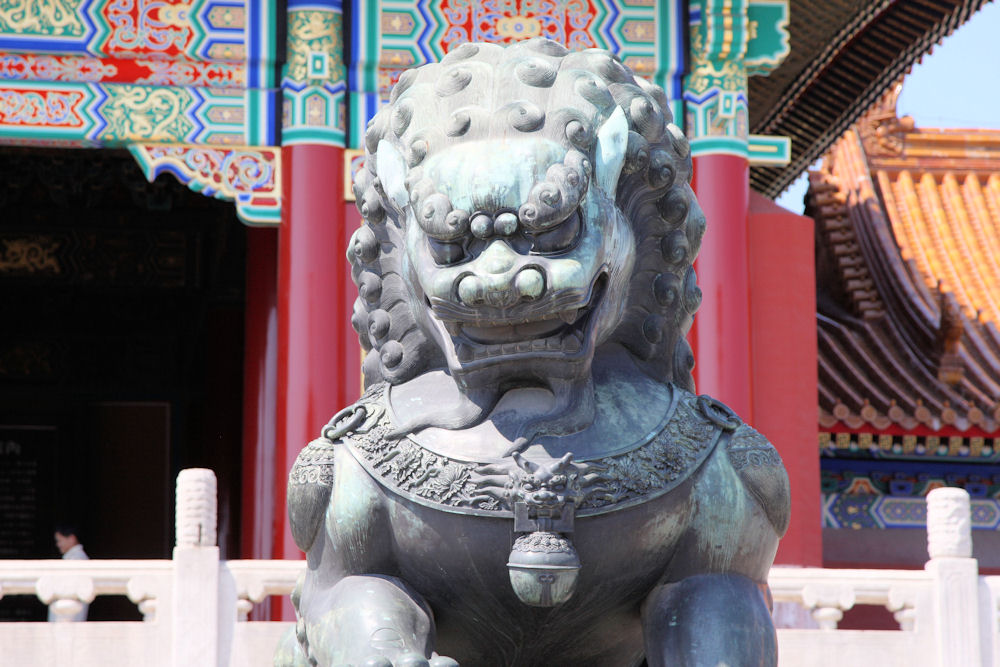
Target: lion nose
x,y
472,291
544,496
498,258
475,290
529,284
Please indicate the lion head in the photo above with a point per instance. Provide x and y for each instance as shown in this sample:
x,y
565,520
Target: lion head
x,y
524,206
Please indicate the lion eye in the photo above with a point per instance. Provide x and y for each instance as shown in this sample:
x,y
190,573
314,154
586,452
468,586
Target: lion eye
x,y
445,253
559,238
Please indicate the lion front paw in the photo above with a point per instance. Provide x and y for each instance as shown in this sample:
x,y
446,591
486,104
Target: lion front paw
x,y
409,660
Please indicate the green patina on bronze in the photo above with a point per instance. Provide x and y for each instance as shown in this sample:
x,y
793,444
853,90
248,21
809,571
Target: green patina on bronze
x,y
528,478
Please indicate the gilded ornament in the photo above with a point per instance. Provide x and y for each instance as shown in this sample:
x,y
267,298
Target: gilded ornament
x,y
198,74
708,73
149,25
312,31
55,68
47,18
30,255
138,113
41,108
224,173
519,27
228,17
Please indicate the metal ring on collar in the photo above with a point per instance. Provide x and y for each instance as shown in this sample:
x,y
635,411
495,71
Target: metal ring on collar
x,y
345,421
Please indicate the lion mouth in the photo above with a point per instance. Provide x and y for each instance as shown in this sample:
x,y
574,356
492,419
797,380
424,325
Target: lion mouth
x,y
561,330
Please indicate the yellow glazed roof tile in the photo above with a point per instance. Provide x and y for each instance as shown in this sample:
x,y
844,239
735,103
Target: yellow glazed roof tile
x,y
914,340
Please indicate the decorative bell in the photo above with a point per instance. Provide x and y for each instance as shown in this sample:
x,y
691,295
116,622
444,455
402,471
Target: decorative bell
x,y
543,568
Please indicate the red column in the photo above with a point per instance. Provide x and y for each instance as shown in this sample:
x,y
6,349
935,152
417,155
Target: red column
x,y
721,333
783,348
260,369
317,349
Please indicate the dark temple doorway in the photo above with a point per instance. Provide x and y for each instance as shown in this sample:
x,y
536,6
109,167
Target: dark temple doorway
x,y
121,357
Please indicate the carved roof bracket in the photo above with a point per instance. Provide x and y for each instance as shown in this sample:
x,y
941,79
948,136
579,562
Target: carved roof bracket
x,y
951,328
882,131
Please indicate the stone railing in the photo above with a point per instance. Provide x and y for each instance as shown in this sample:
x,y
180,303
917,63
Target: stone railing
x,y
195,607
947,613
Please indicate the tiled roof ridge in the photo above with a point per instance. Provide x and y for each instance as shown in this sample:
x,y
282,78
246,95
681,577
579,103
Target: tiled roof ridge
x,y
912,240
868,376
895,142
829,207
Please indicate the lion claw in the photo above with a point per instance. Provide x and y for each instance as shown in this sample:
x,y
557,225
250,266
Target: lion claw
x,y
410,660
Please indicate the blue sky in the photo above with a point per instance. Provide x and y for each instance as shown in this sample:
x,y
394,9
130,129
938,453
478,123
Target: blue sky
x,y
956,85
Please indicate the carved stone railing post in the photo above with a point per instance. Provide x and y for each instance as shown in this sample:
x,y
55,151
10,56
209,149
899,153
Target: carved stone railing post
x,y
196,508
142,590
65,595
828,602
902,603
196,571
956,577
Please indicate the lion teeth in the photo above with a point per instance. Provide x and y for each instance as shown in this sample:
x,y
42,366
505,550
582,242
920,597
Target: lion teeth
x,y
452,327
569,316
570,344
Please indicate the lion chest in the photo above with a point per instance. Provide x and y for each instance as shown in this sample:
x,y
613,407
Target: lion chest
x,y
458,564
454,523
449,555
449,527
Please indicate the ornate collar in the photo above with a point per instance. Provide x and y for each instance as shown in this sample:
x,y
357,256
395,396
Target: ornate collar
x,y
497,488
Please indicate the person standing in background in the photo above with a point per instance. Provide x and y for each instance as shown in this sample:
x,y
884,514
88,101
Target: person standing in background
x,y
68,543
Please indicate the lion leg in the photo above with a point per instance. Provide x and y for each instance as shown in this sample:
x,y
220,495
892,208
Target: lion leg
x,y
367,618
708,620
289,652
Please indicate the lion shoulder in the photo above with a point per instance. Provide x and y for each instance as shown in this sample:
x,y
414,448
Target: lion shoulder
x,y
310,483
758,465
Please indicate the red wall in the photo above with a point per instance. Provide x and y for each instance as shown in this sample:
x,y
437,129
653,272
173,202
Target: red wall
x,y
259,392
783,361
719,337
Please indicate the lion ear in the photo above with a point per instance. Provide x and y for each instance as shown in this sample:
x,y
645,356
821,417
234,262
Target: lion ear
x,y
612,140
391,170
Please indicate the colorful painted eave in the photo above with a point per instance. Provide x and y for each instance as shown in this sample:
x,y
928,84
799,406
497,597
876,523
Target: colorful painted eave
x,y
249,176
909,224
314,84
203,76
731,41
859,493
199,74
844,55
393,35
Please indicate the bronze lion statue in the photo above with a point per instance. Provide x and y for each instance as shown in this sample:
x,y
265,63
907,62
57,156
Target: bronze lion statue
x,y
528,478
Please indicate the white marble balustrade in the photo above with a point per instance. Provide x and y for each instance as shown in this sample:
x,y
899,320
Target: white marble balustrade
x,y
196,607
